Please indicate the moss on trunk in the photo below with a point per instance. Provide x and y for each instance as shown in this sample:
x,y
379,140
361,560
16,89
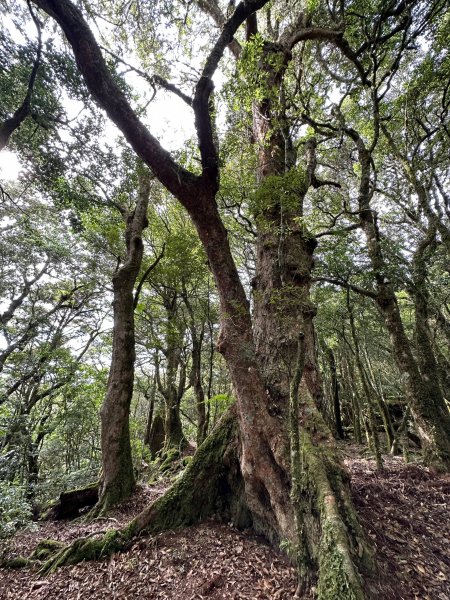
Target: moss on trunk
x,y
211,485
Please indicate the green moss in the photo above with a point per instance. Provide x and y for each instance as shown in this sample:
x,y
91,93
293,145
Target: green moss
x,y
20,562
86,549
334,579
207,486
169,457
336,540
45,549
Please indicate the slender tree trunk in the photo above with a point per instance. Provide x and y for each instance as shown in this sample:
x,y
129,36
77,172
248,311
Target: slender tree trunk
x,y
202,425
335,391
171,390
380,401
431,416
196,370
151,410
371,427
117,479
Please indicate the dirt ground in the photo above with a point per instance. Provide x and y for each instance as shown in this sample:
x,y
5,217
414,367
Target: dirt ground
x,y
404,509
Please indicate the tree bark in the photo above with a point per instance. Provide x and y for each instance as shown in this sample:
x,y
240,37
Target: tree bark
x,y
337,550
430,414
117,479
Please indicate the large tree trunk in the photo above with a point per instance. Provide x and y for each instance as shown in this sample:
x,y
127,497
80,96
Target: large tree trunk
x,y
336,548
117,479
283,311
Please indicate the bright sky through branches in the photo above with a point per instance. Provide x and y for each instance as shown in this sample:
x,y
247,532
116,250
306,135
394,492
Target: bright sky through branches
x,y
9,165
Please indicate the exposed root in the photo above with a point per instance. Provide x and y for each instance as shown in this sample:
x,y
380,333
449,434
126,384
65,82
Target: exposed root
x,y
337,549
211,484
85,548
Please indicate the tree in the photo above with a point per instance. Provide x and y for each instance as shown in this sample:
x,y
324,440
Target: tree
x,y
264,443
117,478
308,158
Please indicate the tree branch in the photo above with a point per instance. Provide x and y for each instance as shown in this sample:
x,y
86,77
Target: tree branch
x,y
8,127
346,285
146,274
178,180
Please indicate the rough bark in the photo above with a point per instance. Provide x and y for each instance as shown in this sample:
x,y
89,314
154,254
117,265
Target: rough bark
x,y
336,544
283,311
117,478
430,414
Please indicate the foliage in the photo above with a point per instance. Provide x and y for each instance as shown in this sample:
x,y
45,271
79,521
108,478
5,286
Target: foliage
x,y
15,510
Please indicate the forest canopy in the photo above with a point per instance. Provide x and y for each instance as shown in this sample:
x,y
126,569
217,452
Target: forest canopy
x,y
225,257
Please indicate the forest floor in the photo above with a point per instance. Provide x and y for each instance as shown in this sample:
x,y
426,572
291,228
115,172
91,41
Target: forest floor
x,y
404,509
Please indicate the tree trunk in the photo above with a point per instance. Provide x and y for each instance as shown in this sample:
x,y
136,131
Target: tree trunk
x,y
117,479
337,550
335,390
151,409
282,312
202,425
370,422
197,338
428,364
157,436
431,416
171,390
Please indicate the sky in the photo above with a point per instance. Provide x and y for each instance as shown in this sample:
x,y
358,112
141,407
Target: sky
x,y
9,165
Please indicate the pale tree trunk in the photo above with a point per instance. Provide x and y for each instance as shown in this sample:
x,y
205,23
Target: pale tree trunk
x,y
117,479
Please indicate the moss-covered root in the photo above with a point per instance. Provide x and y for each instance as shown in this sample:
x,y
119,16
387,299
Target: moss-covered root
x,y
210,484
45,549
20,562
86,548
342,553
